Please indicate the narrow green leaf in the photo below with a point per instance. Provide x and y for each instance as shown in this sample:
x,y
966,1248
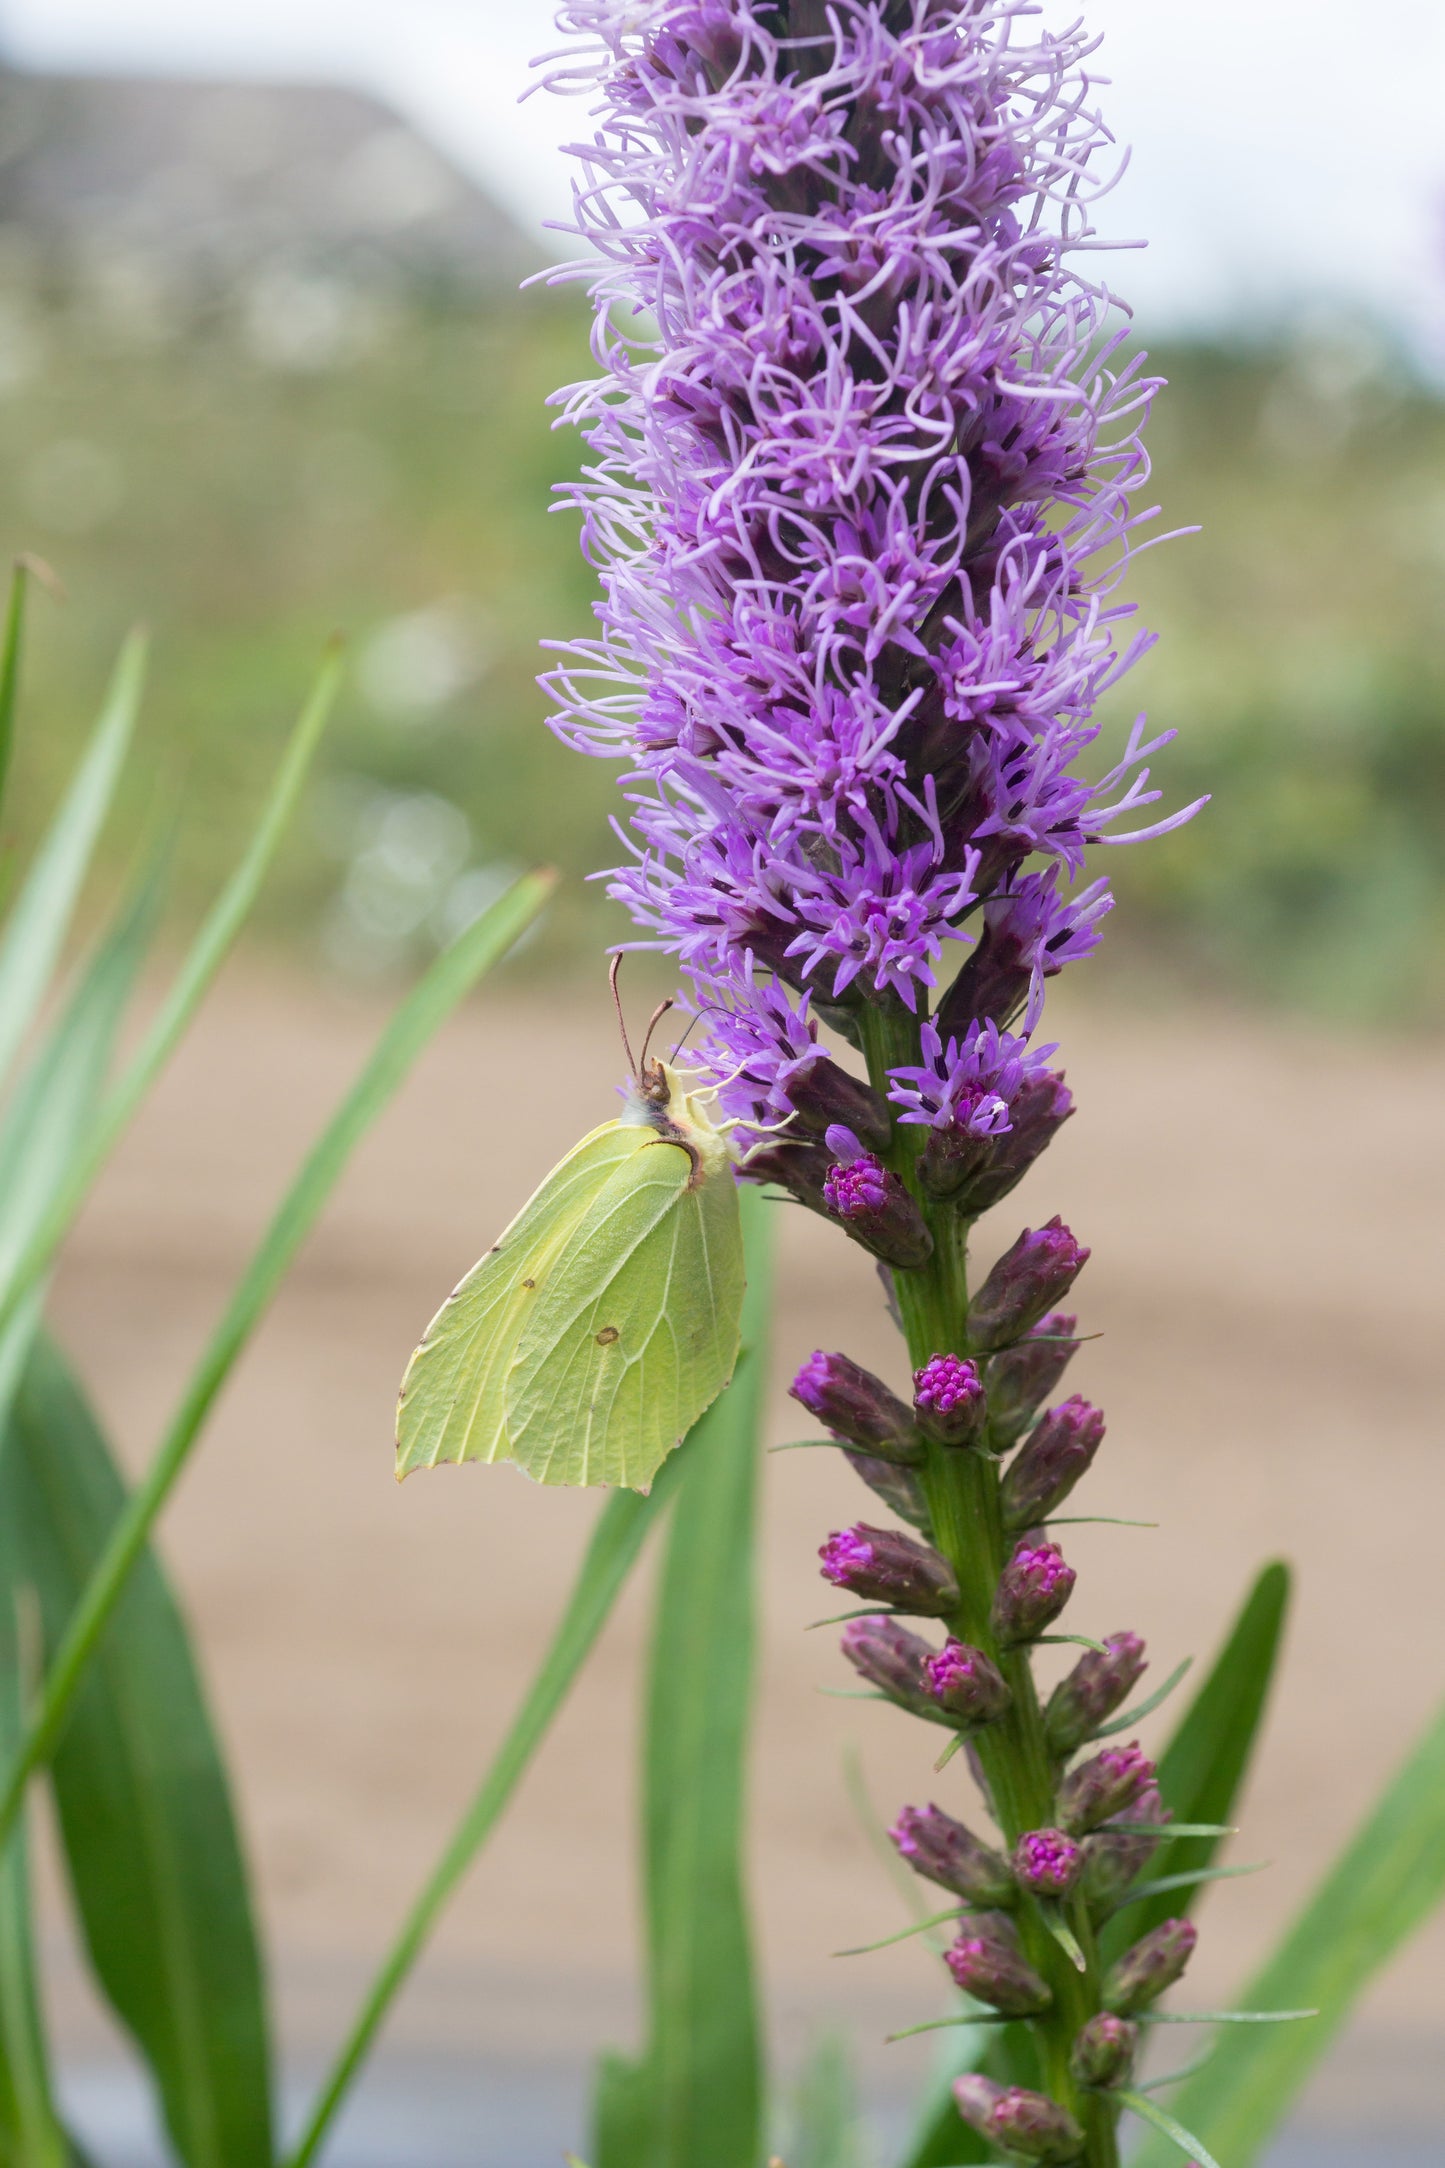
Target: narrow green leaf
x,y
1136,1715
1149,2111
1202,1770
1388,1879
1166,1883
1065,1937
145,1814
919,1927
409,1030
826,2125
10,646
1222,2017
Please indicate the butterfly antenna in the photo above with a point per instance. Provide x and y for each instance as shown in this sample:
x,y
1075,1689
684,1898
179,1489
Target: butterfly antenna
x,y
653,1021
709,1008
612,970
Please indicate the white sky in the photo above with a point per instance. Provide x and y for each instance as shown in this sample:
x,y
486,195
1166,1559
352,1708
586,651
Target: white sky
x,y
1285,151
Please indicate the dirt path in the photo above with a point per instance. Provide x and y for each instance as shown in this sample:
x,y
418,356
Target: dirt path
x,y
1265,1211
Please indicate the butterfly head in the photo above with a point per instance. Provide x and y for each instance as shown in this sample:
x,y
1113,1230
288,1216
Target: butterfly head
x,y
675,1102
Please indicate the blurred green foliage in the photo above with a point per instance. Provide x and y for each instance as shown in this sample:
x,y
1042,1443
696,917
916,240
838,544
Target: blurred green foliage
x,y
247,497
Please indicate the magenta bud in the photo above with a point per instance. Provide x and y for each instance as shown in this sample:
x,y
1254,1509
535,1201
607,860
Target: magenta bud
x,y
950,1400
1104,2050
964,1682
824,1097
1143,1973
899,1488
853,1404
1107,1785
1098,1684
1047,1863
1027,2125
1032,1590
945,1852
1113,1858
1027,1280
1036,1116
1050,1462
987,1964
878,1211
895,1661
882,1565
1020,1380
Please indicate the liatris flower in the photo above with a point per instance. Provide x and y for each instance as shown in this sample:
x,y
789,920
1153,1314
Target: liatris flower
x,y
1020,1380
944,1851
1098,1684
1050,1462
965,1683
1145,1971
855,1405
1027,1280
1104,1787
1047,1863
988,1965
950,1400
894,1660
883,1566
1104,2050
1032,1590
877,1211
1027,2125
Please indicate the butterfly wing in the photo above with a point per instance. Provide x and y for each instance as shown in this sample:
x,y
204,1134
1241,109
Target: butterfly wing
x,y
636,1331
452,1404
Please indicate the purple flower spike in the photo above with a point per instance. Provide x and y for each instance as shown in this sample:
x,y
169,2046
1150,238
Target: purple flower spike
x,y
964,1682
855,1405
991,1968
1107,1785
1028,2126
950,1399
1104,2050
1032,1590
884,1566
1059,1450
1143,1973
878,1211
1098,1684
946,1852
1027,1280
1047,1863
1020,1380
894,1660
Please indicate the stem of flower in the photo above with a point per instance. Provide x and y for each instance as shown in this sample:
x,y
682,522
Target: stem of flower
x,y
962,1488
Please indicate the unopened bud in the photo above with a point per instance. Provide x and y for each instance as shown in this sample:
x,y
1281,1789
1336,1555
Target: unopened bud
x,y
825,1096
882,1565
894,1660
988,1965
796,1164
950,1400
1019,1381
878,1211
853,1404
1032,1590
1114,1858
964,1682
1047,1863
1036,1115
944,1851
1104,2050
1050,1462
1027,1280
1143,1973
899,1488
1099,1684
1030,2126
1108,1784
953,1157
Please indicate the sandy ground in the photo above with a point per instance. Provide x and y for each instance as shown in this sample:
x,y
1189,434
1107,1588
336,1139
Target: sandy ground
x,y
1265,1210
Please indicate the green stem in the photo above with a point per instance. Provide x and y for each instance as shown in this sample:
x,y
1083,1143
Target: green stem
x,y
962,1488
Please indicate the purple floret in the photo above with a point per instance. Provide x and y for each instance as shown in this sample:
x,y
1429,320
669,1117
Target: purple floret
x,y
946,1383
854,1190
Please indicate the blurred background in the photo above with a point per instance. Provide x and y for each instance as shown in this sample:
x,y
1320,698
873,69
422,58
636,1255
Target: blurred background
x,y
266,370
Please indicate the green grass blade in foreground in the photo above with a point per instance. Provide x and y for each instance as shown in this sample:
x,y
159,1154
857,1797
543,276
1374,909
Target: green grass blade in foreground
x,y
11,642
1384,1885
617,1539
827,2122
697,2101
429,1003
1203,1768
145,1815
40,918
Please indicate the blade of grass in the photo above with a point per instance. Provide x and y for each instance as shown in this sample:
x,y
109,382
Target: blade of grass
x,y
1386,1882
425,1008
10,645
144,1808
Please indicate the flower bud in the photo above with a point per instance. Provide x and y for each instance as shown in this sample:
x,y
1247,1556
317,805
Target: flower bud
x,y
1107,1785
1098,1684
989,1966
899,1488
1050,1462
853,1404
882,1565
1021,1379
1027,1280
1036,1115
944,1851
964,1682
894,1660
1032,1590
825,1096
1143,1973
796,1164
878,1211
1114,1858
1047,1863
953,1157
1104,2050
950,1400
1028,2125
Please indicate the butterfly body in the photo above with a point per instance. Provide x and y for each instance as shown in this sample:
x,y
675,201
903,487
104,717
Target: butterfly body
x,y
587,1341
